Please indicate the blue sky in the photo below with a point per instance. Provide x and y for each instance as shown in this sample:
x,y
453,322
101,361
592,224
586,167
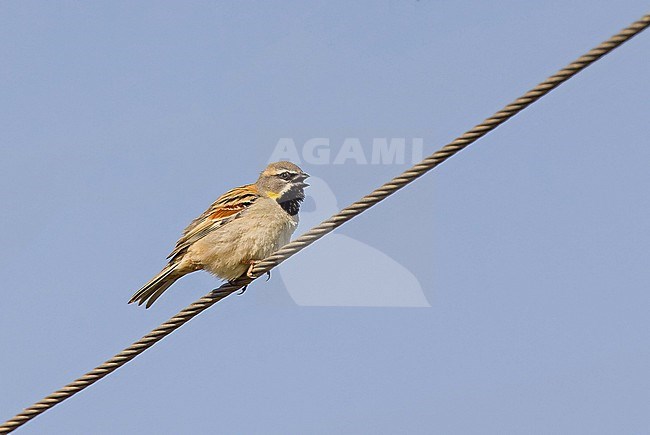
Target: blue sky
x,y
122,121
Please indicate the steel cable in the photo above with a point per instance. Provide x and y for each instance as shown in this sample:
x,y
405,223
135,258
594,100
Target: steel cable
x,y
328,225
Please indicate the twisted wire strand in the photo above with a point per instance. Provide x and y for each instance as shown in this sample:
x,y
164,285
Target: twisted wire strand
x,y
328,225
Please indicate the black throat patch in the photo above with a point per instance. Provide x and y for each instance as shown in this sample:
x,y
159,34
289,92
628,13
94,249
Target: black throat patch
x,y
291,206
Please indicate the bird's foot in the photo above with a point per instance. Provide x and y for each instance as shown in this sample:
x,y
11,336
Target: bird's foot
x,y
252,264
243,289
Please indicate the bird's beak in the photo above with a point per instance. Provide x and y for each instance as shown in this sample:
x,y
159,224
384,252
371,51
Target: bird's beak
x,y
301,178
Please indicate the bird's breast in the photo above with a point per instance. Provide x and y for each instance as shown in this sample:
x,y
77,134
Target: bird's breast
x,y
261,230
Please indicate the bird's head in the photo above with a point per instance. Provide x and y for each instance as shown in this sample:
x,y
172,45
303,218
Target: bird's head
x,y
283,181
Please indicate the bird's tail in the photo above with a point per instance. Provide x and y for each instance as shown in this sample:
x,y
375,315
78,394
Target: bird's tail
x,y
157,286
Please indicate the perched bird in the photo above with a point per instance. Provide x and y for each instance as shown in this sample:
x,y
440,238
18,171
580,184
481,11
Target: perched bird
x,y
243,226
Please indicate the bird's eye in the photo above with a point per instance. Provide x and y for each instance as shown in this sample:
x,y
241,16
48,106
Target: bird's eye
x,y
285,176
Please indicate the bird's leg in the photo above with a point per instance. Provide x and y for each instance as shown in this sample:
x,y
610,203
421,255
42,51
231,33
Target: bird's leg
x,y
249,272
252,264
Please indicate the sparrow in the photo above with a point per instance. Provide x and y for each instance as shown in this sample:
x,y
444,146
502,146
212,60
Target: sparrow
x,y
242,227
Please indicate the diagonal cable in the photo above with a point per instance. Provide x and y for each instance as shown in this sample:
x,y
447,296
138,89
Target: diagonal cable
x,y
329,225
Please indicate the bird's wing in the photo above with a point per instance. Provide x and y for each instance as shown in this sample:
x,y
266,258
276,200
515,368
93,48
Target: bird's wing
x,y
226,208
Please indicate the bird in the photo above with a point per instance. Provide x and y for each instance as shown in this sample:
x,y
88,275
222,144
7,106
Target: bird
x,y
243,226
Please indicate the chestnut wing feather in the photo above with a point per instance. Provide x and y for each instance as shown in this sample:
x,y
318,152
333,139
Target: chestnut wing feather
x,y
226,208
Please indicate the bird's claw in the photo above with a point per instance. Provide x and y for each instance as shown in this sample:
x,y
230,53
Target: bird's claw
x,y
249,272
